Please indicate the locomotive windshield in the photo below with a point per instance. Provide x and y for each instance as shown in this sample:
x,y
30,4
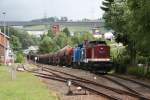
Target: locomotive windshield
x,y
97,42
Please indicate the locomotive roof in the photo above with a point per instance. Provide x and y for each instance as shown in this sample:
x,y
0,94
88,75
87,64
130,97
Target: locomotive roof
x,y
93,43
97,42
80,45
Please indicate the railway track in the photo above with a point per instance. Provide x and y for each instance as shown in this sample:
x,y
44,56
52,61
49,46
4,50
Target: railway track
x,y
75,83
106,91
132,80
133,87
83,82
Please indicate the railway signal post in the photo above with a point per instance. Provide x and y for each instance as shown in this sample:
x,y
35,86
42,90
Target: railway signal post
x,y
69,83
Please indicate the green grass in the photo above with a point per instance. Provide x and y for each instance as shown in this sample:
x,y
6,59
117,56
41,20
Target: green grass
x,y
24,87
77,28
35,27
71,28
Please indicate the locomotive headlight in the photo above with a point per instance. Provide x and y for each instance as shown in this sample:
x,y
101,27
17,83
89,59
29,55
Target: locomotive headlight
x,y
101,48
86,60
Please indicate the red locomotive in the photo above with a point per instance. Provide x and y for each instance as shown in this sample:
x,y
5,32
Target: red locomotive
x,y
97,56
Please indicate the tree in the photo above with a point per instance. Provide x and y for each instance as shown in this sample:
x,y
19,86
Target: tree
x,y
50,33
21,38
20,57
26,40
49,19
47,45
87,36
130,19
76,38
63,40
118,18
36,40
140,14
15,43
107,6
66,31
64,19
79,38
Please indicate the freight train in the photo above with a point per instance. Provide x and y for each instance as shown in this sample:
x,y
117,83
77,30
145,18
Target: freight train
x,y
92,55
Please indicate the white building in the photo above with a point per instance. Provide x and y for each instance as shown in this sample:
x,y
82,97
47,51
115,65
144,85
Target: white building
x,y
36,33
96,33
34,49
108,35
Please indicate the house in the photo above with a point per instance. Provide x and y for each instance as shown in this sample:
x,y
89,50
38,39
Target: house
x,y
37,33
55,29
108,35
96,32
33,49
5,52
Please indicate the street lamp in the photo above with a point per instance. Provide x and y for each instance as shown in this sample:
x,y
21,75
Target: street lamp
x,y
4,23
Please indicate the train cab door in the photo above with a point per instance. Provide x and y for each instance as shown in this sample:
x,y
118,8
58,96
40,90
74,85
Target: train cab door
x,y
83,56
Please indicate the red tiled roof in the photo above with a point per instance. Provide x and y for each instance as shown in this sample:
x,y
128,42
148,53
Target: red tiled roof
x,y
4,35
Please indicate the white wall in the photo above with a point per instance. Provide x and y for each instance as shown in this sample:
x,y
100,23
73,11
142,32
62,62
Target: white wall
x,y
36,33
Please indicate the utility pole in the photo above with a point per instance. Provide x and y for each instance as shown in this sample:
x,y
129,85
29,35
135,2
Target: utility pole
x,y
5,44
8,30
46,24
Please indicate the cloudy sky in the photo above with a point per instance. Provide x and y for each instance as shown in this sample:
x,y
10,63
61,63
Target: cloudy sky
x,y
23,10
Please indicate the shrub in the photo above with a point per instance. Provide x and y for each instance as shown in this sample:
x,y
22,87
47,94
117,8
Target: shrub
x,y
120,63
20,58
138,71
141,59
148,73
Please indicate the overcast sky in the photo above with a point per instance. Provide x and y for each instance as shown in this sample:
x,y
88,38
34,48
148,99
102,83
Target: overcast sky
x,y
23,10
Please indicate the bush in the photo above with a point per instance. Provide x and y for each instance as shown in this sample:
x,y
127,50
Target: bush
x,y
20,58
120,63
141,59
138,71
120,69
148,74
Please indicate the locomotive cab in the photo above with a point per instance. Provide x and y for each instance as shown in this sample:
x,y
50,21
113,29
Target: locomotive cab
x,y
97,55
